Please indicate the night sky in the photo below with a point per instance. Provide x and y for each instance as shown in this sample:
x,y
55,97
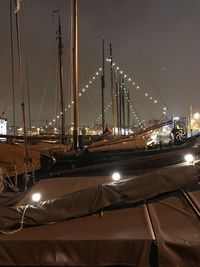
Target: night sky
x,y
155,42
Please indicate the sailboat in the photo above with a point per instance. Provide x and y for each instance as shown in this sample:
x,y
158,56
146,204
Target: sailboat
x,y
111,152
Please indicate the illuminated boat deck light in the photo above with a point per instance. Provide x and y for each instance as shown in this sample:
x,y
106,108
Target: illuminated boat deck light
x,y
36,197
116,176
189,158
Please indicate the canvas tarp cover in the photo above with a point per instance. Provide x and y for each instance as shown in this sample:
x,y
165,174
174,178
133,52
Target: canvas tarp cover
x,y
177,231
121,237
94,199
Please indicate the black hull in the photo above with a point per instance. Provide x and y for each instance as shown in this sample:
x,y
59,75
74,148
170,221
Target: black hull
x,y
128,161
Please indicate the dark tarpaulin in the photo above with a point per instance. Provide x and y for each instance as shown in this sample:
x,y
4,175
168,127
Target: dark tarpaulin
x,y
90,200
121,237
9,199
177,231
59,186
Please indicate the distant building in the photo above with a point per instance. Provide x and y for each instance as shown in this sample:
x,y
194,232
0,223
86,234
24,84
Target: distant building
x,y
3,128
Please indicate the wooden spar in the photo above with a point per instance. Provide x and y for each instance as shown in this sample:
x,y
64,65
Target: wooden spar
x,y
103,87
62,105
12,66
27,158
75,73
112,91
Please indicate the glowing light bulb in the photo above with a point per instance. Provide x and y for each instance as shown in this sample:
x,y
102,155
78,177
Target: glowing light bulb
x,y
189,158
116,176
36,197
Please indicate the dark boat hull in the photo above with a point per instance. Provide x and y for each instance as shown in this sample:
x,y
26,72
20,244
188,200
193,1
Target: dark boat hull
x,y
129,161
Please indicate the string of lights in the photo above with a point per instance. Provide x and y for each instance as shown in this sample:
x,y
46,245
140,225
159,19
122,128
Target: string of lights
x,y
84,90
136,85
105,110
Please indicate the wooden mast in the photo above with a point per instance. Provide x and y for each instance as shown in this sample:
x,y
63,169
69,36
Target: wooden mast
x,y
112,91
27,158
117,99
62,105
123,105
12,68
103,86
120,104
75,73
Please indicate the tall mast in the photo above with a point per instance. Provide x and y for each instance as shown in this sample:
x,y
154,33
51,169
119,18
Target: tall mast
x,y
70,111
27,159
28,92
120,103
12,66
103,86
75,72
117,99
62,105
112,91
123,102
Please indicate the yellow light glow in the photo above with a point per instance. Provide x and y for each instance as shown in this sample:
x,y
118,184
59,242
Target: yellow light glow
x,y
197,115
